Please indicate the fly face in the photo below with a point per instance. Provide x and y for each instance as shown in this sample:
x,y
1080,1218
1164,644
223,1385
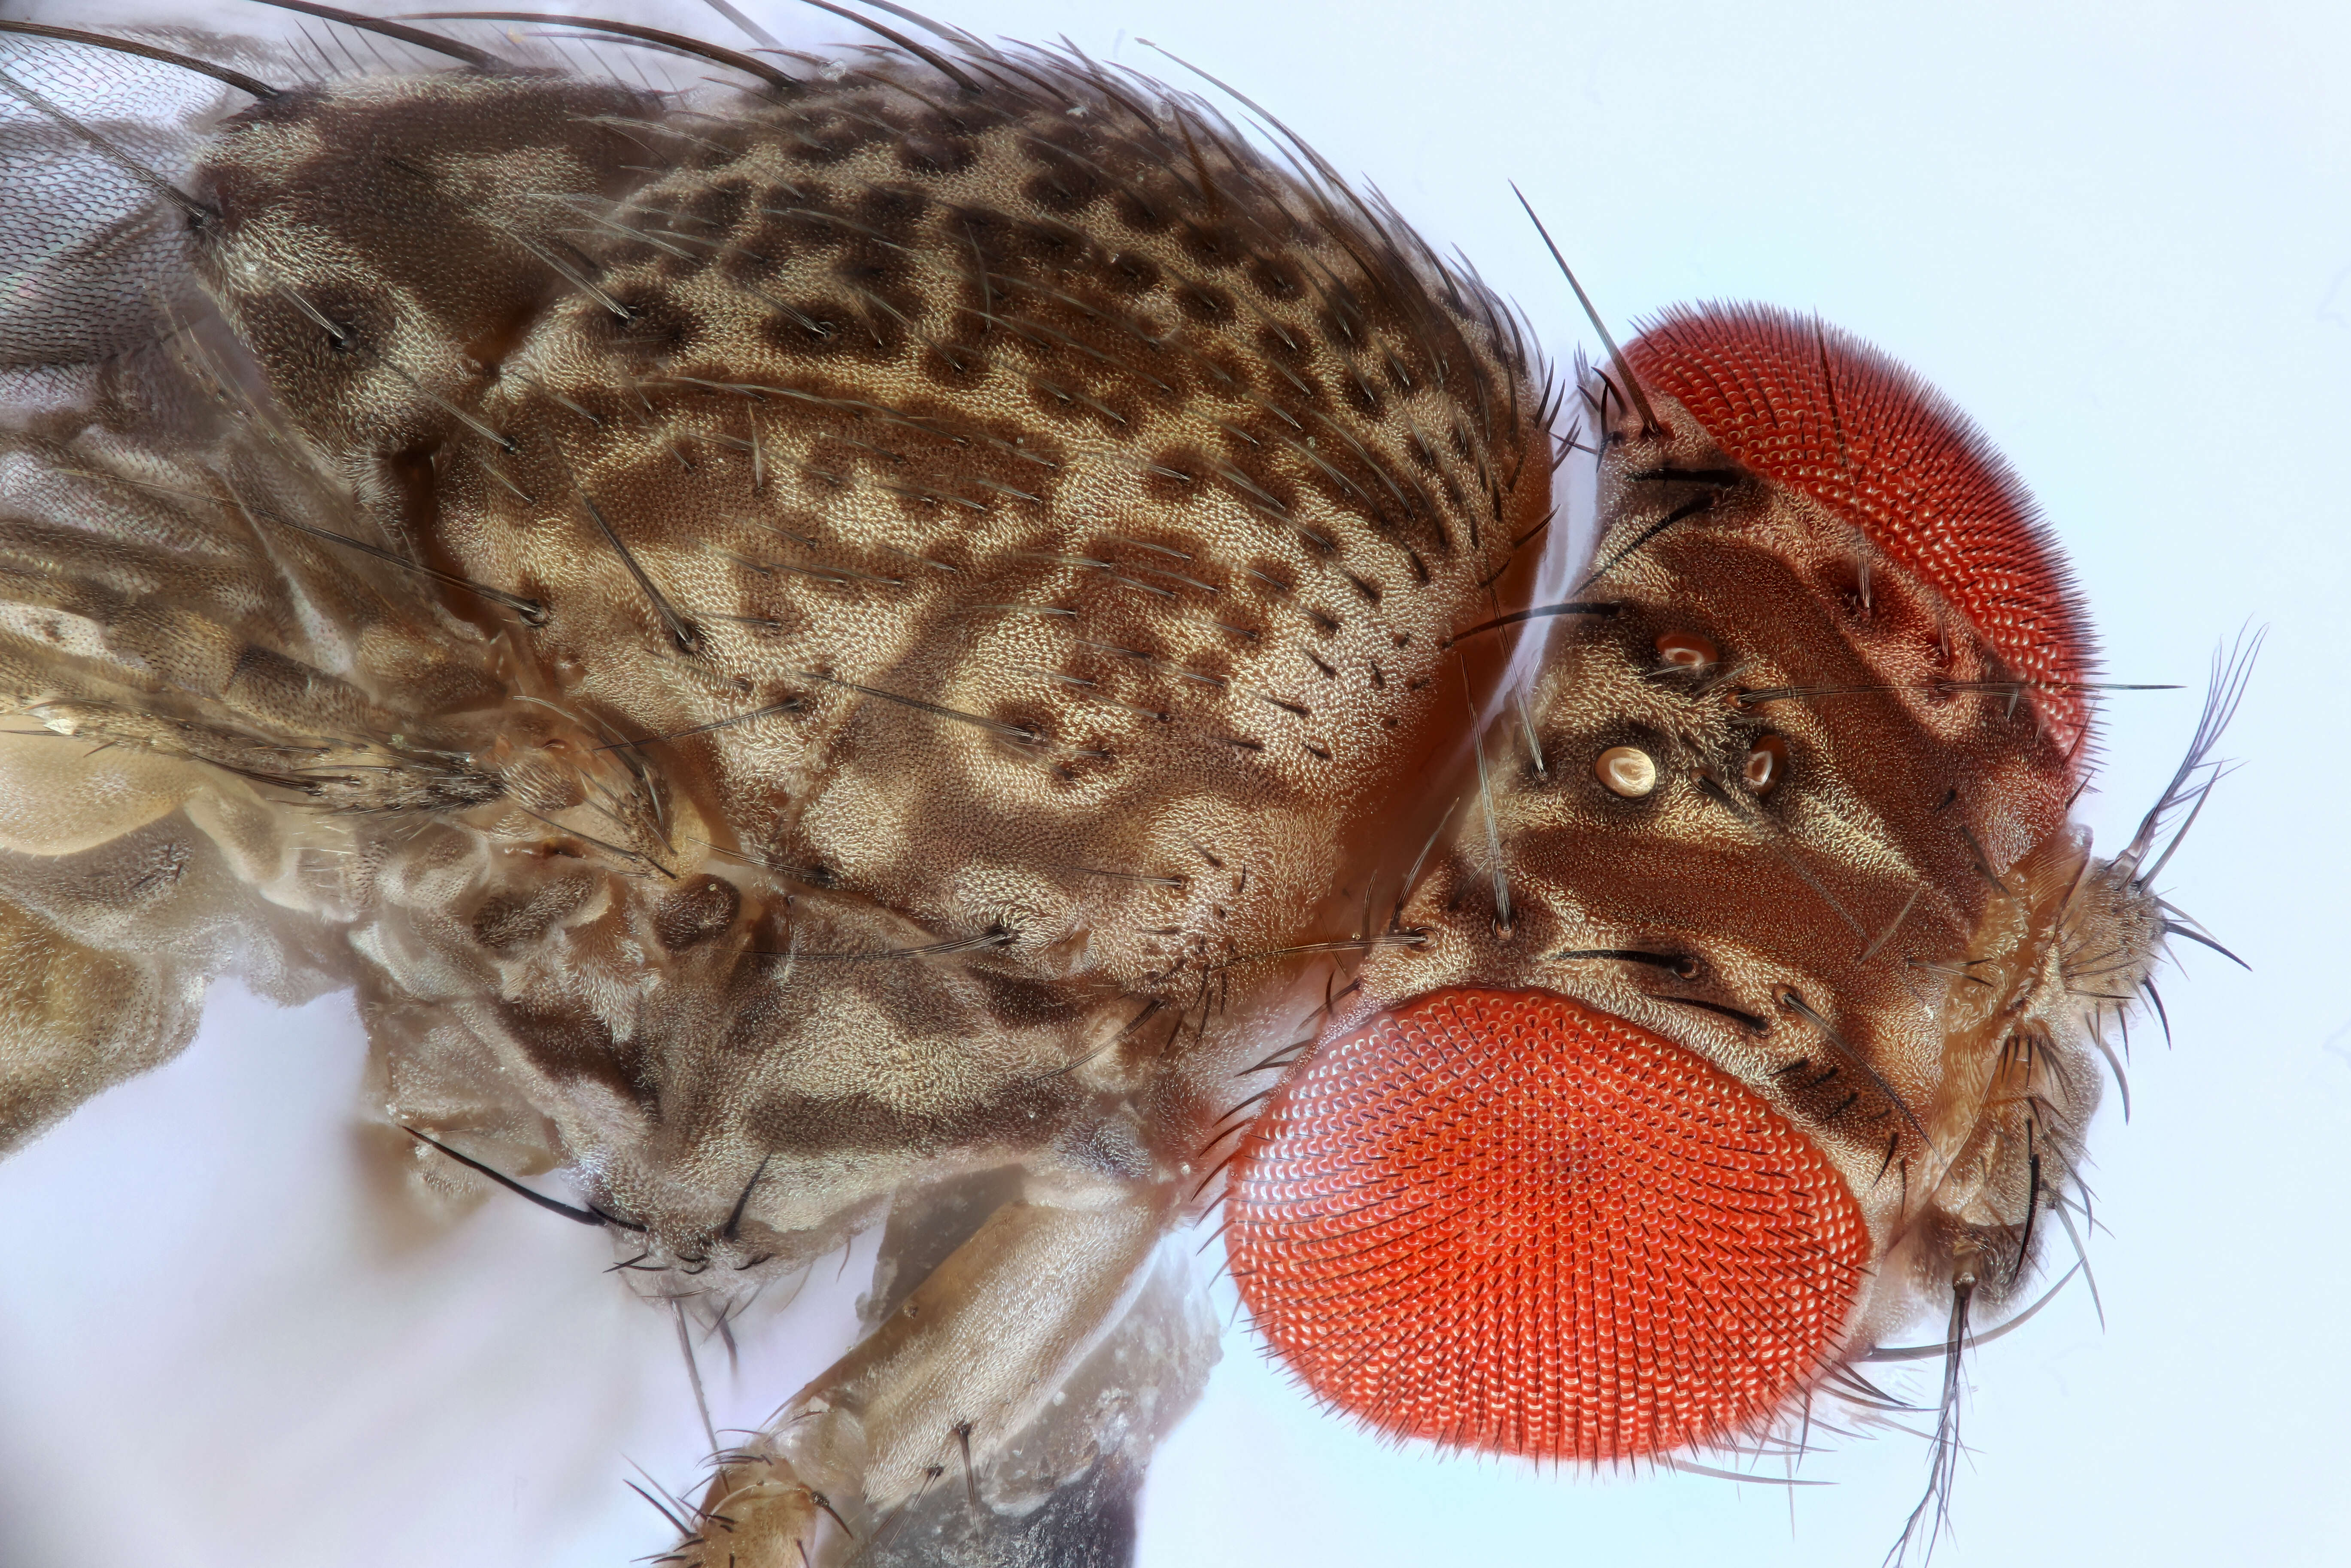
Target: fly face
x,y
1752,1013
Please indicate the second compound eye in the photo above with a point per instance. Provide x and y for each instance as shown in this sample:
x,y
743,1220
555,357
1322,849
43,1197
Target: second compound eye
x,y
1687,651
1626,771
1766,764
1506,1221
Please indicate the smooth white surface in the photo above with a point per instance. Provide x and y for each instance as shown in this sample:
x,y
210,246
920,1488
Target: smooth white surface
x,y
2119,237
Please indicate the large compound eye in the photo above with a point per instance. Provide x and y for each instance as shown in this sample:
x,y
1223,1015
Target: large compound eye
x,y
1501,1220
1822,412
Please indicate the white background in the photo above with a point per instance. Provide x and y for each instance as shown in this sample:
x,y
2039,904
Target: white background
x,y
2119,235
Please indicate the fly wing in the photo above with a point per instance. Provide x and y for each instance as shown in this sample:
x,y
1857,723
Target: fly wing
x,y
200,648
94,259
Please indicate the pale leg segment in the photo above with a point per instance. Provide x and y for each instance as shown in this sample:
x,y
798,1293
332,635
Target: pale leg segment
x,y
935,1393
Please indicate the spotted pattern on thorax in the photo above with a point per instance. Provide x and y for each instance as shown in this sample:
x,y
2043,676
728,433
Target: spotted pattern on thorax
x,y
997,550
936,490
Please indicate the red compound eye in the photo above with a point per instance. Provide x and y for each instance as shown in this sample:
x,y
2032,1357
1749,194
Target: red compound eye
x,y
1820,412
1501,1220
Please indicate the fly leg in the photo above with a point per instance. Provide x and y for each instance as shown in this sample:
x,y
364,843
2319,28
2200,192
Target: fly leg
x,y
934,1394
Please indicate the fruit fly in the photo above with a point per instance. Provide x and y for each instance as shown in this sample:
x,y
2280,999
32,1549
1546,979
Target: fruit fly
x,y
939,641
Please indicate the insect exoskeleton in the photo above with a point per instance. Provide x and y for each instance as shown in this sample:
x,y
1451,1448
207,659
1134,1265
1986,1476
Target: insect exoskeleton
x,y
942,640
851,632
